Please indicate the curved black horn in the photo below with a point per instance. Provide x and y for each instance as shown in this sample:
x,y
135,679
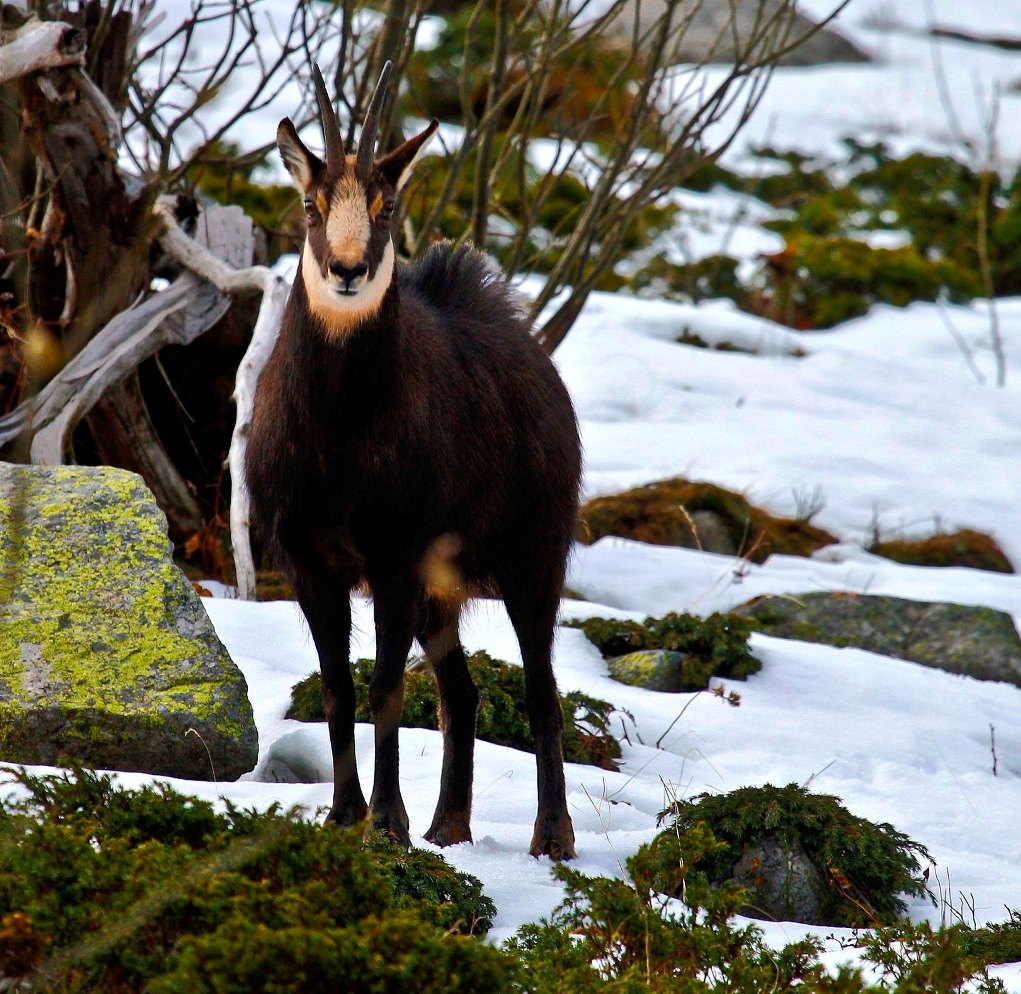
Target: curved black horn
x,y
367,141
331,126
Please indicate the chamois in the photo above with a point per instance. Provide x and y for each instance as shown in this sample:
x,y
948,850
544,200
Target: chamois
x,y
409,433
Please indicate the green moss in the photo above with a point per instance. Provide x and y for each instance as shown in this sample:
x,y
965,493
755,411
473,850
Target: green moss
x,y
662,513
501,719
965,547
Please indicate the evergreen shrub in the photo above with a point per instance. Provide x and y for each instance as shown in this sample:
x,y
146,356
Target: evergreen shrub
x,y
502,717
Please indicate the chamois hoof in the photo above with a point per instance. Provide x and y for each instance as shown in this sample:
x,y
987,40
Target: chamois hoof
x,y
394,824
449,830
348,815
553,838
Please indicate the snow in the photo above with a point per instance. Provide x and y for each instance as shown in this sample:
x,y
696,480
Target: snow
x,y
891,420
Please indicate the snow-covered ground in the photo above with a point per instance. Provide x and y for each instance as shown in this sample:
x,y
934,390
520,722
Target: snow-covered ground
x,y
885,419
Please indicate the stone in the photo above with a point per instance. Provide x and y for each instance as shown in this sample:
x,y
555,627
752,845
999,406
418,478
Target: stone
x,y
786,885
979,642
707,35
652,669
107,657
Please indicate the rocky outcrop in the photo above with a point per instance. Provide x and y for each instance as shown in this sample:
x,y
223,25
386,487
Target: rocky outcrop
x,y
107,656
975,641
708,35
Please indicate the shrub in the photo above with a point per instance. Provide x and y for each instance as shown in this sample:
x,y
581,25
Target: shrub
x,y
114,890
820,280
867,866
827,273
713,646
501,719
626,937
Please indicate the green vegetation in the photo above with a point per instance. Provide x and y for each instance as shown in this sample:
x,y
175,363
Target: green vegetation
x,y
628,937
111,890
502,718
950,216
117,891
699,515
866,866
713,646
965,547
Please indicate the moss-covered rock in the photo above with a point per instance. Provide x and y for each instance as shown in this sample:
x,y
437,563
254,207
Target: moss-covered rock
x,y
977,641
698,516
674,654
965,547
107,656
801,856
657,669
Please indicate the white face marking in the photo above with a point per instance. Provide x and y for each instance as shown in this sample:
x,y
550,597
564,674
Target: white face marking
x,y
347,224
341,313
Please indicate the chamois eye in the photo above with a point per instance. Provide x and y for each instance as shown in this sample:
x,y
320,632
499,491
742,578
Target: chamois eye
x,y
311,212
387,210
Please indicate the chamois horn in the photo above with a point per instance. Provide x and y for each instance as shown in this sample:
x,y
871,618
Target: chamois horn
x,y
367,141
331,126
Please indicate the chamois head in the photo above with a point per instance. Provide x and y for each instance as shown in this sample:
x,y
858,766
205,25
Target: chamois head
x,y
348,260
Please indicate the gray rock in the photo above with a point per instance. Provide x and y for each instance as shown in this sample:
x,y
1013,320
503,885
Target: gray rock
x,y
707,36
786,884
107,656
976,641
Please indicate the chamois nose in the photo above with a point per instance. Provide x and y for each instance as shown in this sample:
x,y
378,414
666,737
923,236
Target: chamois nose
x,y
348,273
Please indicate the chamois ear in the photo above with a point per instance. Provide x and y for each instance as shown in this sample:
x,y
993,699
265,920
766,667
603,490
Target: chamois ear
x,y
300,162
395,168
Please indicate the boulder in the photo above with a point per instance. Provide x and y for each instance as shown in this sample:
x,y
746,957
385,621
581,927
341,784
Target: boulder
x,y
107,656
651,669
707,35
785,884
976,641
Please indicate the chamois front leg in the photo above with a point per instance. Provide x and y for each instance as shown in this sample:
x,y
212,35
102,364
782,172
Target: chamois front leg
x,y
327,608
396,605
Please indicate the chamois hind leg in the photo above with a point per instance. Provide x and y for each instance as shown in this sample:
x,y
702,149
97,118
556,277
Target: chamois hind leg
x,y
326,604
531,592
459,705
396,605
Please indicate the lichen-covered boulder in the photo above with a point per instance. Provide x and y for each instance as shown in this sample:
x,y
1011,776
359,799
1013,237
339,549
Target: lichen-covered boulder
x,y
651,669
107,656
977,641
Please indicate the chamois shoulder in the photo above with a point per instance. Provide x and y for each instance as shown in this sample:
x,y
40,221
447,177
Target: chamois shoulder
x,y
461,278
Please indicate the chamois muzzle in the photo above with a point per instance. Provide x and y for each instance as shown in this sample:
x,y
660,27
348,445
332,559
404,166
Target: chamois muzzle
x,y
349,276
